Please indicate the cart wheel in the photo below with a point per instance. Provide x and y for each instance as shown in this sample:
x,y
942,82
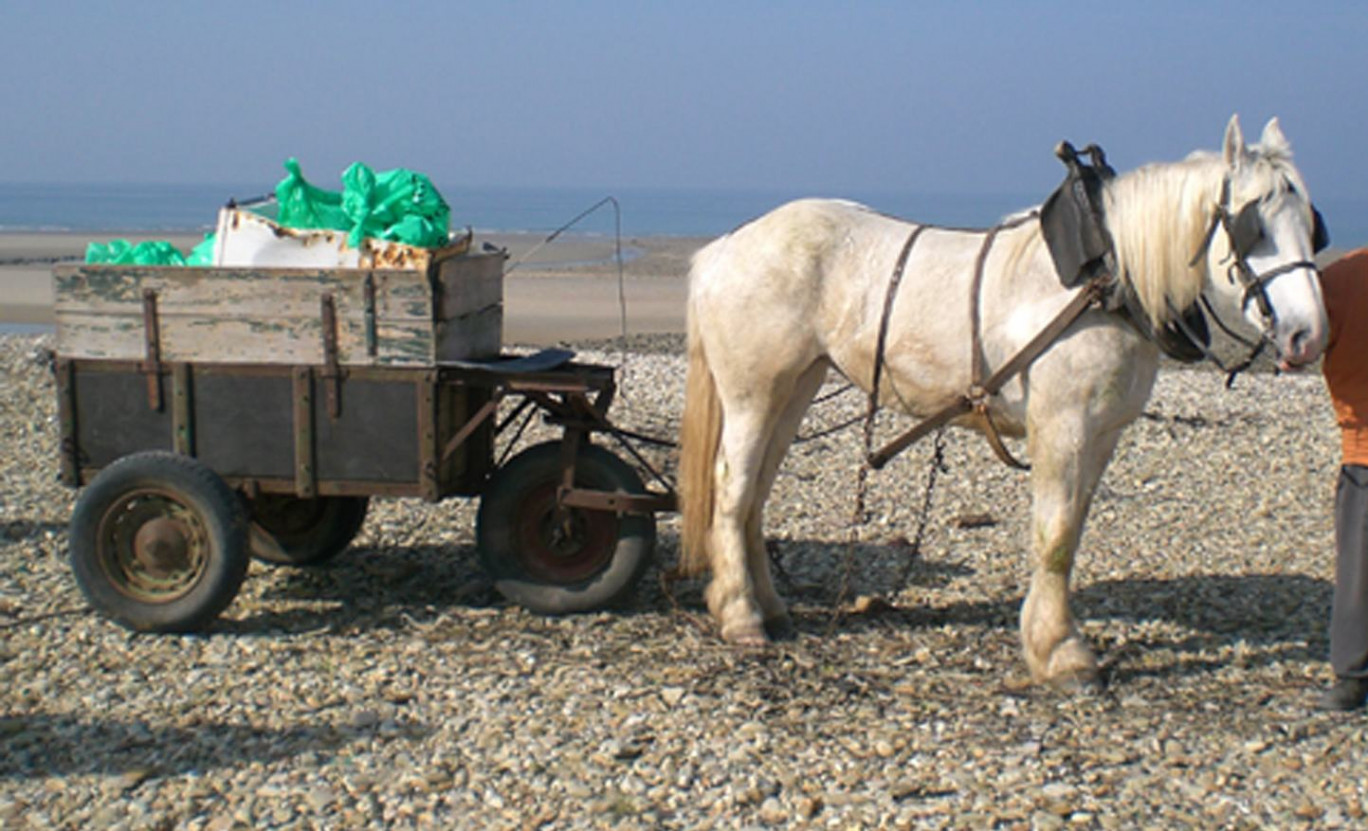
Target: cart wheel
x,y
290,531
589,561
158,543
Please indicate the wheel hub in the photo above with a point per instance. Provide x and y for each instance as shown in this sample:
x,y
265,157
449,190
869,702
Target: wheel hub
x,y
162,546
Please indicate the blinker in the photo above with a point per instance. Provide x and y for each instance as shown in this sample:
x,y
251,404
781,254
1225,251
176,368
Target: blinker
x,y
1320,235
1247,229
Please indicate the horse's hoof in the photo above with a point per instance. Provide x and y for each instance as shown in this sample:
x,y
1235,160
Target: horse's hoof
x,y
1071,668
749,635
780,628
1078,682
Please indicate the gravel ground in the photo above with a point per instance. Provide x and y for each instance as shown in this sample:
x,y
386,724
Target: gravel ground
x,y
395,688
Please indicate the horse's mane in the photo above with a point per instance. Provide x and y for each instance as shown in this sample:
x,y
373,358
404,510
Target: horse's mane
x,y
1159,214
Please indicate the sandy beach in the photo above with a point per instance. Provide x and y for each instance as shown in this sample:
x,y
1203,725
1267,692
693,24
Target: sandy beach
x,y
567,290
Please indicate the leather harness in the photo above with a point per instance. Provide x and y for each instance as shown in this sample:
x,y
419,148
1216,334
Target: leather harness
x,y
981,389
1242,231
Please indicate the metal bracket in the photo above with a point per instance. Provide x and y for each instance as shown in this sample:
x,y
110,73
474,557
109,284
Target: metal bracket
x,y
151,366
182,409
332,373
305,467
372,337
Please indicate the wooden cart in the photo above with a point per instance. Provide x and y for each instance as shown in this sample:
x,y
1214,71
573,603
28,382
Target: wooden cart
x,y
215,414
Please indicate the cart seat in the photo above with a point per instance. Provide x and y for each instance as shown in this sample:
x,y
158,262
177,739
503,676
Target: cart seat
x,y
543,361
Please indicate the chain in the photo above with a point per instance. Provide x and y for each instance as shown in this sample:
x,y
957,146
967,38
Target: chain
x,y
938,467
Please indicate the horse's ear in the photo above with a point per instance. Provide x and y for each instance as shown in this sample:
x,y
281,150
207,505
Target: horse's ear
x,y
1234,142
1273,140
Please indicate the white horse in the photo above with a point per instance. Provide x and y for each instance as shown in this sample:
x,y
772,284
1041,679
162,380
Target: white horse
x,y
776,303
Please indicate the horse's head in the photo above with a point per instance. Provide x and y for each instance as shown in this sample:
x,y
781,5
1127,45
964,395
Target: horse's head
x,y
1260,244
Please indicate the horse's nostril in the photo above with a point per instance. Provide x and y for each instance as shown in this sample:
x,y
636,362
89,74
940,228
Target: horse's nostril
x,y
1299,339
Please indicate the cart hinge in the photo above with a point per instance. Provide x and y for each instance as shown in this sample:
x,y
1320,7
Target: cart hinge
x,y
332,373
152,365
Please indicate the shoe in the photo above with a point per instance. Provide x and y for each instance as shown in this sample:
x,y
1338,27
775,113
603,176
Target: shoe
x,y
1345,694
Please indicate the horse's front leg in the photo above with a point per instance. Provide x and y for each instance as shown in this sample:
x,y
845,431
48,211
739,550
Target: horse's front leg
x,y
1068,456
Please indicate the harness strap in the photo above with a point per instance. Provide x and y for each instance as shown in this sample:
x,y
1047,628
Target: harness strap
x,y
893,284
1230,371
1090,294
978,396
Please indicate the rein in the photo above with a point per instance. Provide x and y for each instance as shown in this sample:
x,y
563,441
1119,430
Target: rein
x,y
981,389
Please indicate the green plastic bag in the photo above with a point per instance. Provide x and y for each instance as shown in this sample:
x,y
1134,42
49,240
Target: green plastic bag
x,y
152,252
122,252
397,205
202,254
302,205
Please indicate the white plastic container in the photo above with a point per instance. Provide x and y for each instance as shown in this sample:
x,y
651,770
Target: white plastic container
x,y
245,238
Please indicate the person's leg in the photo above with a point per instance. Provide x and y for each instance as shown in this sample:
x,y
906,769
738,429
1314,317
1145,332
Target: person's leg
x,y
1349,614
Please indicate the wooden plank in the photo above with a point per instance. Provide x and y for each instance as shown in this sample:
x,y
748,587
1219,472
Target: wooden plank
x,y
469,308
256,315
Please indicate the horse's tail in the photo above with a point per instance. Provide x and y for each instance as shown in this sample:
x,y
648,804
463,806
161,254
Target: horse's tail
x,y
700,430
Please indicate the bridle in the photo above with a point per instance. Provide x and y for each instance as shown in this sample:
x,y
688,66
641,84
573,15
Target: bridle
x,y
1244,230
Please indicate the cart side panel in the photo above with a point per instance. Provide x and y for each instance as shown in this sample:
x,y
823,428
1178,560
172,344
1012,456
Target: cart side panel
x,y
369,317
112,415
469,304
303,430
374,436
243,421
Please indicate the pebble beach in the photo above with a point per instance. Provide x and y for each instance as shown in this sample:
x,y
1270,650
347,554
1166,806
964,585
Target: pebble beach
x,y
395,688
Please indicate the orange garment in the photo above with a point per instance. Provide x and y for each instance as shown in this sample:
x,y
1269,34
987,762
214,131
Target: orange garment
x,y
1344,284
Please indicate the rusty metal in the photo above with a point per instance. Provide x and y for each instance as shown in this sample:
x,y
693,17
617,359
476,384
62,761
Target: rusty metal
x,y
182,412
621,503
162,545
306,469
151,364
480,417
368,294
569,453
331,371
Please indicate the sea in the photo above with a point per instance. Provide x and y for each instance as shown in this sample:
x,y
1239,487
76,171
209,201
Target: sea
x,y
181,208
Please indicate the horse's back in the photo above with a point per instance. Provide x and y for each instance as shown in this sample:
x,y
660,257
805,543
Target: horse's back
x,y
804,229
785,257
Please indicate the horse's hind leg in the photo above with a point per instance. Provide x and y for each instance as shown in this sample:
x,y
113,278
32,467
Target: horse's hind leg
x,y
772,608
758,423
731,592
1067,461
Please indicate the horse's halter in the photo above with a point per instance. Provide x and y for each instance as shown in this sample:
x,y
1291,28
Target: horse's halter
x,y
1244,230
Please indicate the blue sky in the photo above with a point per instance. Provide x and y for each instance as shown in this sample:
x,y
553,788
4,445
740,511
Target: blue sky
x,y
933,97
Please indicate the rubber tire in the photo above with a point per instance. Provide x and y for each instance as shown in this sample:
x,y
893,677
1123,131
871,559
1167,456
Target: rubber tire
x,y
335,522
184,485
519,497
